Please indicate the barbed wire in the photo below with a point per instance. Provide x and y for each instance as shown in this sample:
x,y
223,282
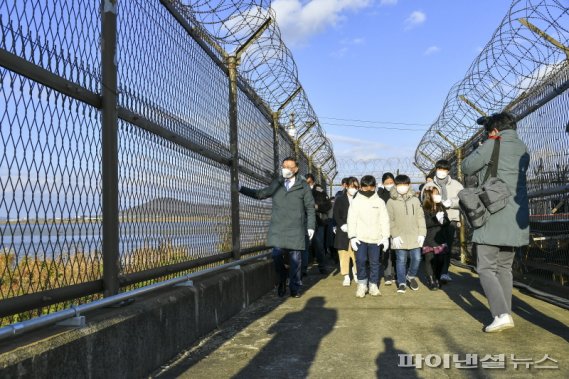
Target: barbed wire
x,y
377,167
529,46
267,65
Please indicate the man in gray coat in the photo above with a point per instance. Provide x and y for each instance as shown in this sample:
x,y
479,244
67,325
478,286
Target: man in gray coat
x,y
508,228
292,214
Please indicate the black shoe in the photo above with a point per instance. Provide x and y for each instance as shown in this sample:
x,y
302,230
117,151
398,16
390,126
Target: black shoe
x,y
432,283
295,294
413,284
323,271
281,291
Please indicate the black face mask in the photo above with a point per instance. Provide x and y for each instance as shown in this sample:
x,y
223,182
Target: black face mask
x,y
367,193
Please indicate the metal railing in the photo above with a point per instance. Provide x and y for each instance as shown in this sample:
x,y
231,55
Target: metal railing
x,y
524,69
126,126
74,315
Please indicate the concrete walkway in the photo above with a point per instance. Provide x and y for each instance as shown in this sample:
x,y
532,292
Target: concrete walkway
x,y
328,333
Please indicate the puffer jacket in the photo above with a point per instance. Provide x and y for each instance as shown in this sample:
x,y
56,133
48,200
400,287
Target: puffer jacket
x,y
453,187
406,218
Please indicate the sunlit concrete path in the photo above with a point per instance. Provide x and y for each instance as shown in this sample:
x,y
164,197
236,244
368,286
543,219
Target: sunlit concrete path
x,y
328,333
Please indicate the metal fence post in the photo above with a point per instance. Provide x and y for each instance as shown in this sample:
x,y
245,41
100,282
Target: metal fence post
x,y
276,127
233,147
109,159
462,228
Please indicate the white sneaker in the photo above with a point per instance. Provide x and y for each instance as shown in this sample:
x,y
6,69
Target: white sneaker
x,y
373,290
361,291
502,322
346,282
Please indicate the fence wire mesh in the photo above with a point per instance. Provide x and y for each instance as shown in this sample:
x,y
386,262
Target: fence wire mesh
x,y
173,132
524,69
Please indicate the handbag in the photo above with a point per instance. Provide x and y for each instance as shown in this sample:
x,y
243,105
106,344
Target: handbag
x,y
477,203
495,192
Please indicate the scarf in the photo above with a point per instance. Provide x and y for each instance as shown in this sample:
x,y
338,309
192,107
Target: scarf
x,y
443,184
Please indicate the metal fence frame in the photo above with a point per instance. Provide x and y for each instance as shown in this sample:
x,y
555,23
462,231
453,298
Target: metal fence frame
x,y
111,113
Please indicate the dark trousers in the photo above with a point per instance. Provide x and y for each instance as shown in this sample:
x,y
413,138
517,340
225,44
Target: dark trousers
x,y
434,264
293,258
450,242
387,259
317,245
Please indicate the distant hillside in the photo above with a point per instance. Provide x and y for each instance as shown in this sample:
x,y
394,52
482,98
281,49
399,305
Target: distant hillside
x,y
167,206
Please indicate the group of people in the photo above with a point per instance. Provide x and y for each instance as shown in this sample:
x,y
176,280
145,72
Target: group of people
x,y
386,225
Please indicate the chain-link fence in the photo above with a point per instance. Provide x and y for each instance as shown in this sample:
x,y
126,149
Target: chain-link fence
x,y
126,127
524,69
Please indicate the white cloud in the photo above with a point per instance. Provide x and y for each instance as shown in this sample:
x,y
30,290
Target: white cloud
x,y
432,50
415,19
388,2
299,20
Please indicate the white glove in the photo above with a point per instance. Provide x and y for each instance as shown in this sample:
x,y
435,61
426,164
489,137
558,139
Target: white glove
x,y
355,242
334,229
385,243
441,217
447,203
344,228
397,243
421,240
310,233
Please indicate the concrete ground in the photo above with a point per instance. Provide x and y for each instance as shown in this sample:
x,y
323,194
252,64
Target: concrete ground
x,y
328,333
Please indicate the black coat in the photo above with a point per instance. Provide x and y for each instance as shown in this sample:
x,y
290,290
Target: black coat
x,y
323,206
341,206
436,232
384,194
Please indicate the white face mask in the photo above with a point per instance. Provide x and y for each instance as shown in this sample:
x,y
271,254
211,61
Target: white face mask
x,y
388,186
287,173
437,198
442,174
352,191
402,190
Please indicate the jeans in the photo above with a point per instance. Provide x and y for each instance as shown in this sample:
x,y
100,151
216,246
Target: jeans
x,y
294,258
494,266
401,265
368,252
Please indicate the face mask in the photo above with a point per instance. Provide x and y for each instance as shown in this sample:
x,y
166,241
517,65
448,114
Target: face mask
x,y
442,174
352,191
437,198
367,193
402,190
389,186
287,173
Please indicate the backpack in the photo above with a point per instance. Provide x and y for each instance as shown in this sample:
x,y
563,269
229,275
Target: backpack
x,y
478,203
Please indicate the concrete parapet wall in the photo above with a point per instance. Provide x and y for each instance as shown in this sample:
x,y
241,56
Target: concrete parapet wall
x,y
132,341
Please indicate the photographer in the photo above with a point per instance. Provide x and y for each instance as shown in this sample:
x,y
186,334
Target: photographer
x,y
508,228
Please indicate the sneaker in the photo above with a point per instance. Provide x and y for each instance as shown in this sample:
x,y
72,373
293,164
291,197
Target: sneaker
x,y
373,290
402,288
388,280
445,278
502,322
346,282
413,284
361,291
295,294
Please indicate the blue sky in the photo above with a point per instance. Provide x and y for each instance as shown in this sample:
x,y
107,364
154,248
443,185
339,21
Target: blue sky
x,y
383,60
